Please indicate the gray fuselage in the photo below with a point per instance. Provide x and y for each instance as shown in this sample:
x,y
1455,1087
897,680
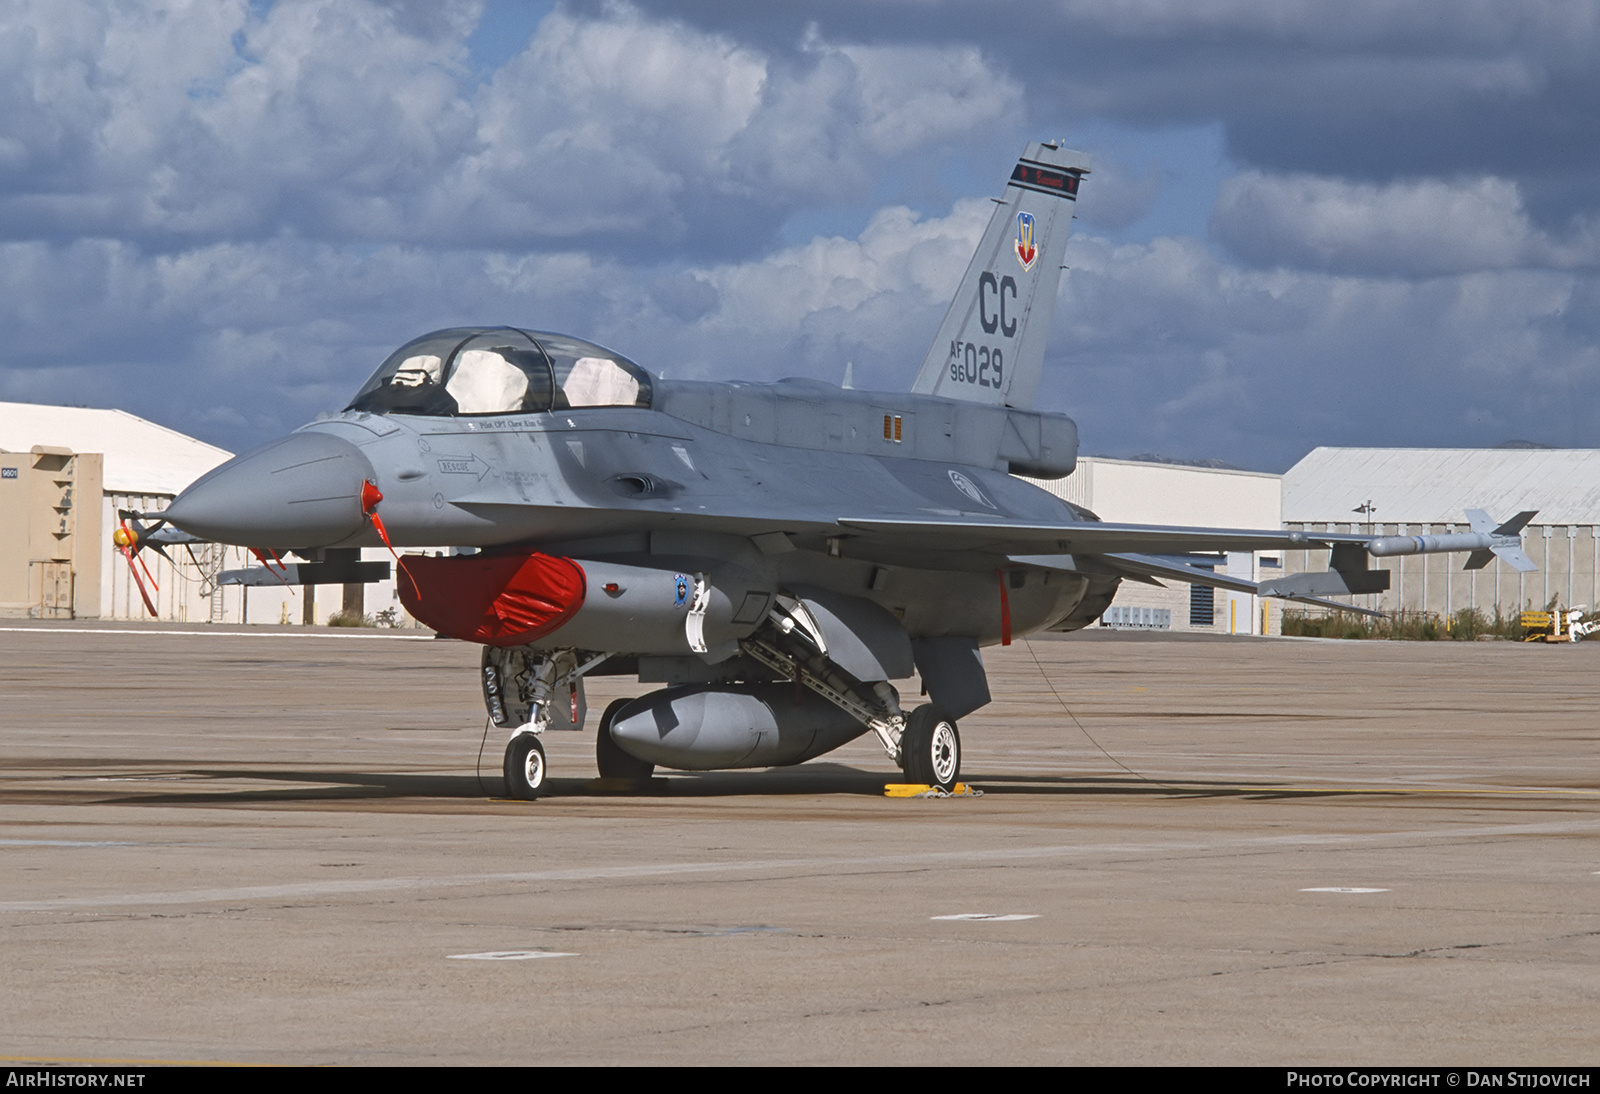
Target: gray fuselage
x,y
755,475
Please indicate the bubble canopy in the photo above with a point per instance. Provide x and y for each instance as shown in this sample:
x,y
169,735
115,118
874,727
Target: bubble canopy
x,y
500,370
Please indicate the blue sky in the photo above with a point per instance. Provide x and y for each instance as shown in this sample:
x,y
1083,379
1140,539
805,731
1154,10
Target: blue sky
x,y
1370,223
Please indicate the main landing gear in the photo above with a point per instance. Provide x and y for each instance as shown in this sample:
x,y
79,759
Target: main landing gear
x,y
926,745
930,748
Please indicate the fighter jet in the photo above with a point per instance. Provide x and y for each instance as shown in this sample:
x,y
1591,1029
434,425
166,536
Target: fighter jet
x,y
764,557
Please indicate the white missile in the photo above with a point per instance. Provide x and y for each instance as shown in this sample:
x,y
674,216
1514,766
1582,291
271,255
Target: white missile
x,y
1486,540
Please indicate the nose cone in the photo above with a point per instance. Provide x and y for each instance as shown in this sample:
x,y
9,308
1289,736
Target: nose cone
x,y
303,490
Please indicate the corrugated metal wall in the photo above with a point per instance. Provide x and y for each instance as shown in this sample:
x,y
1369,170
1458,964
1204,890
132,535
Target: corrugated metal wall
x,y
1568,557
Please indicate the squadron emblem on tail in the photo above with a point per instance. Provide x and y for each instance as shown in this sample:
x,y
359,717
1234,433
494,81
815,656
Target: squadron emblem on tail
x,y
1026,252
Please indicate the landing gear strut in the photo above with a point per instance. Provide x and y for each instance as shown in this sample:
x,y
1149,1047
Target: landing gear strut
x,y
792,646
523,688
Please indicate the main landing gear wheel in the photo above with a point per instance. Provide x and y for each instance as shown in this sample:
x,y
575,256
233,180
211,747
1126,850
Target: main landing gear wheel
x,y
608,755
930,748
525,767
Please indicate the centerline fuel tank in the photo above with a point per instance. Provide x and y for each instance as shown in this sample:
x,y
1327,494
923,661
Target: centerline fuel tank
x,y
703,728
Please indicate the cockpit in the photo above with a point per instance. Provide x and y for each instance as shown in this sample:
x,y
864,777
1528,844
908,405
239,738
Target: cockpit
x,y
500,370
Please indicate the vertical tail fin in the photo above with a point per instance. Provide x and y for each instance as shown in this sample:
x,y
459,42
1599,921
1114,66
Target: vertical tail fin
x,y
990,348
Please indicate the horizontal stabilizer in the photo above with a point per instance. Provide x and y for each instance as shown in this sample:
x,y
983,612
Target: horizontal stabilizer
x,y
1083,564
1350,573
1330,583
1151,566
1137,565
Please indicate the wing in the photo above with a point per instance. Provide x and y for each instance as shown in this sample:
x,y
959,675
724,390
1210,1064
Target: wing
x,y
1135,550
1094,537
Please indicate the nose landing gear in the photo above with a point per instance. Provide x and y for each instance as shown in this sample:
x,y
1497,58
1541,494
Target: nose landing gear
x,y
525,767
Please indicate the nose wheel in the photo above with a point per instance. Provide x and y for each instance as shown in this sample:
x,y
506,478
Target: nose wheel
x,y
930,748
525,767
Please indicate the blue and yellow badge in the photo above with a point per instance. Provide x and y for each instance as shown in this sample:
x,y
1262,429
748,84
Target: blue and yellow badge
x,y
1025,249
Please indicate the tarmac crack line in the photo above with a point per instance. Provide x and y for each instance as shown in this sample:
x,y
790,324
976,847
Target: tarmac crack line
x,y
930,859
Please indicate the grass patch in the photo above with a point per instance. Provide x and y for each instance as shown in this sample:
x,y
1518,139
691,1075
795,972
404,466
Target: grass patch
x,y
1467,625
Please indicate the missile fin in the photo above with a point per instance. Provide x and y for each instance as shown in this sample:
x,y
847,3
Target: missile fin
x,y
1516,524
1514,557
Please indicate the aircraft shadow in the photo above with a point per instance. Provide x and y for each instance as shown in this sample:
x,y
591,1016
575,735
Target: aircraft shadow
x,y
807,779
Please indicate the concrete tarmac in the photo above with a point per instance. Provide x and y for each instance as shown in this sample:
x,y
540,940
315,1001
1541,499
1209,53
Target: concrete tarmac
x,y
275,846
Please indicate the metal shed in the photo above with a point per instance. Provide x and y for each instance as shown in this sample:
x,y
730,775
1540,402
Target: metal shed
x,y
1142,492
1417,491
64,473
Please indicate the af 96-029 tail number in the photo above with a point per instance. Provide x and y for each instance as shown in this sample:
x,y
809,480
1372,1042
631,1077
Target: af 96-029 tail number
x,y
971,363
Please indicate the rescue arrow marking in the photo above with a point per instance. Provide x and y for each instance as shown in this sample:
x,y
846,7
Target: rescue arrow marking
x,y
1342,889
506,955
464,465
987,917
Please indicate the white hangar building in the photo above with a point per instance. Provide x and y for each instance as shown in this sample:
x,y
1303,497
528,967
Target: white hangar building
x,y
1136,492
1421,491
64,473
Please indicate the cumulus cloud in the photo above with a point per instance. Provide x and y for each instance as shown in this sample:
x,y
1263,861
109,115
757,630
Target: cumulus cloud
x,y
1370,90
355,120
627,129
1159,346
874,300
1359,22
1419,227
1167,346
1119,194
223,214
197,121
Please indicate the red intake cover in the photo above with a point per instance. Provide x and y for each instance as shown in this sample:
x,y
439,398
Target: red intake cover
x,y
499,600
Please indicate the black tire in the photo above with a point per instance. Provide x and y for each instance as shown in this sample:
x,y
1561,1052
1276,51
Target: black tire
x,y
930,748
525,767
608,755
